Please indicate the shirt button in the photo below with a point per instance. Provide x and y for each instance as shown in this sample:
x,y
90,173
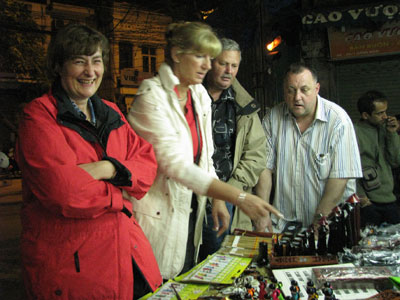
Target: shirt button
x,y
58,292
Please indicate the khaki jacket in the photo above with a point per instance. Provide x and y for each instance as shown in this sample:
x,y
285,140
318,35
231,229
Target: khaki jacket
x,y
250,150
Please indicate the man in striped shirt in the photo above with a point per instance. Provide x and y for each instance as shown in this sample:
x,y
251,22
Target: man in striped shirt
x,y
312,152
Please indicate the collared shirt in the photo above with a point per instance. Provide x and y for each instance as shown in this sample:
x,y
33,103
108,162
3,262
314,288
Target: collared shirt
x,y
82,115
224,133
303,162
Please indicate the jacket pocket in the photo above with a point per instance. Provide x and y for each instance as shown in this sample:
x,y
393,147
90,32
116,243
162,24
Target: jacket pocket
x,y
76,260
94,265
370,179
62,274
147,210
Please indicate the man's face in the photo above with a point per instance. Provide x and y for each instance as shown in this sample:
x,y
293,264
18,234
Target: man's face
x,y
224,69
300,92
378,115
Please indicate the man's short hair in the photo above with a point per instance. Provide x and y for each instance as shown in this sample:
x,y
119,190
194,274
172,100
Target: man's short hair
x,y
366,102
228,44
299,67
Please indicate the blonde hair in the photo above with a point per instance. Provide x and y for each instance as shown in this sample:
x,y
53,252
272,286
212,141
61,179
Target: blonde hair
x,y
191,37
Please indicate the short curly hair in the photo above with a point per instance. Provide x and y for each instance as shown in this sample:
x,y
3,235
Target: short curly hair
x,y
73,40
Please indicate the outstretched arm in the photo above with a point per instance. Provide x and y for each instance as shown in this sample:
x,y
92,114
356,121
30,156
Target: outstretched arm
x,y
252,205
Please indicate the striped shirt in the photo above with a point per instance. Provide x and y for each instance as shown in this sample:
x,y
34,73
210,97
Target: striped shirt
x,y
303,162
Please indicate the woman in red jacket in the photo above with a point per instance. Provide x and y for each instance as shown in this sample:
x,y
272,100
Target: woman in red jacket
x,y
78,155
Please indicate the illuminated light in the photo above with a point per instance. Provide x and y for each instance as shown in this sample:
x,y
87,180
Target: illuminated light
x,y
206,13
275,43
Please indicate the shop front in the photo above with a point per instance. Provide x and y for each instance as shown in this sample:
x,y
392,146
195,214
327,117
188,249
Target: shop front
x,y
130,80
355,49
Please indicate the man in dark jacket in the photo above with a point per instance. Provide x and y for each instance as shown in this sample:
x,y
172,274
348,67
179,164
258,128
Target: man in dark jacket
x,y
379,146
239,141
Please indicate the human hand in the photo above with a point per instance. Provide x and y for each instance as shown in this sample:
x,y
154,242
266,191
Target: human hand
x,y
257,208
100,170
320,220
220,216
391,124
263,223
364,201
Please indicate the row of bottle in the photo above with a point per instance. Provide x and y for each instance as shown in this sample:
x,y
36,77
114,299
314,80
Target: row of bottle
x,y
335,232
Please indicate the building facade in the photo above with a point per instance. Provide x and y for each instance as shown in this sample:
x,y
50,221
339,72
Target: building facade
x,y
354,46
137,50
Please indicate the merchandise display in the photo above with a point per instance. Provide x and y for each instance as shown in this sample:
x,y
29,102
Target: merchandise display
x,y
217,269
340,277
337,262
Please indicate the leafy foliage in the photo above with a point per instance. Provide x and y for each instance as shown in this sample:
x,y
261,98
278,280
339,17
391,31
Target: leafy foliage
x,y
22,42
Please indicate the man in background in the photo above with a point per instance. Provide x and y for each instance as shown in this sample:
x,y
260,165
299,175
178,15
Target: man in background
x,y
379,146
239,141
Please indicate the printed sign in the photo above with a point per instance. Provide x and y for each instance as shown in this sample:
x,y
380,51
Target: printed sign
x,y
363,43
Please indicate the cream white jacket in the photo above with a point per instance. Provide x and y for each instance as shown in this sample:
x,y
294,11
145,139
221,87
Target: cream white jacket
x,y
164,212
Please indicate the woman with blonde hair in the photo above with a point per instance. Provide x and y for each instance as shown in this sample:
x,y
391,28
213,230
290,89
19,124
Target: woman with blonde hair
x,y
173,112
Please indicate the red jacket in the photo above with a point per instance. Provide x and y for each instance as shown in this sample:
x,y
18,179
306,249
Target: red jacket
x,y
76,242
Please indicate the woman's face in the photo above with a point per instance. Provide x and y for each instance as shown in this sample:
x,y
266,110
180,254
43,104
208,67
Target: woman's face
x,y
191,68
81,76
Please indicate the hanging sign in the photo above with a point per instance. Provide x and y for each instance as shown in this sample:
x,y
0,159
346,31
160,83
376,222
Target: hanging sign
x,y
354,43
358,15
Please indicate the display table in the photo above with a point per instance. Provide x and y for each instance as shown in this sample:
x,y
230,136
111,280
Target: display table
x,y
238,271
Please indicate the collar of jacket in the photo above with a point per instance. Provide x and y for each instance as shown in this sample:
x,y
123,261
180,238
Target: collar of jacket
x,y
167,77
107,118
169,80
246,103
